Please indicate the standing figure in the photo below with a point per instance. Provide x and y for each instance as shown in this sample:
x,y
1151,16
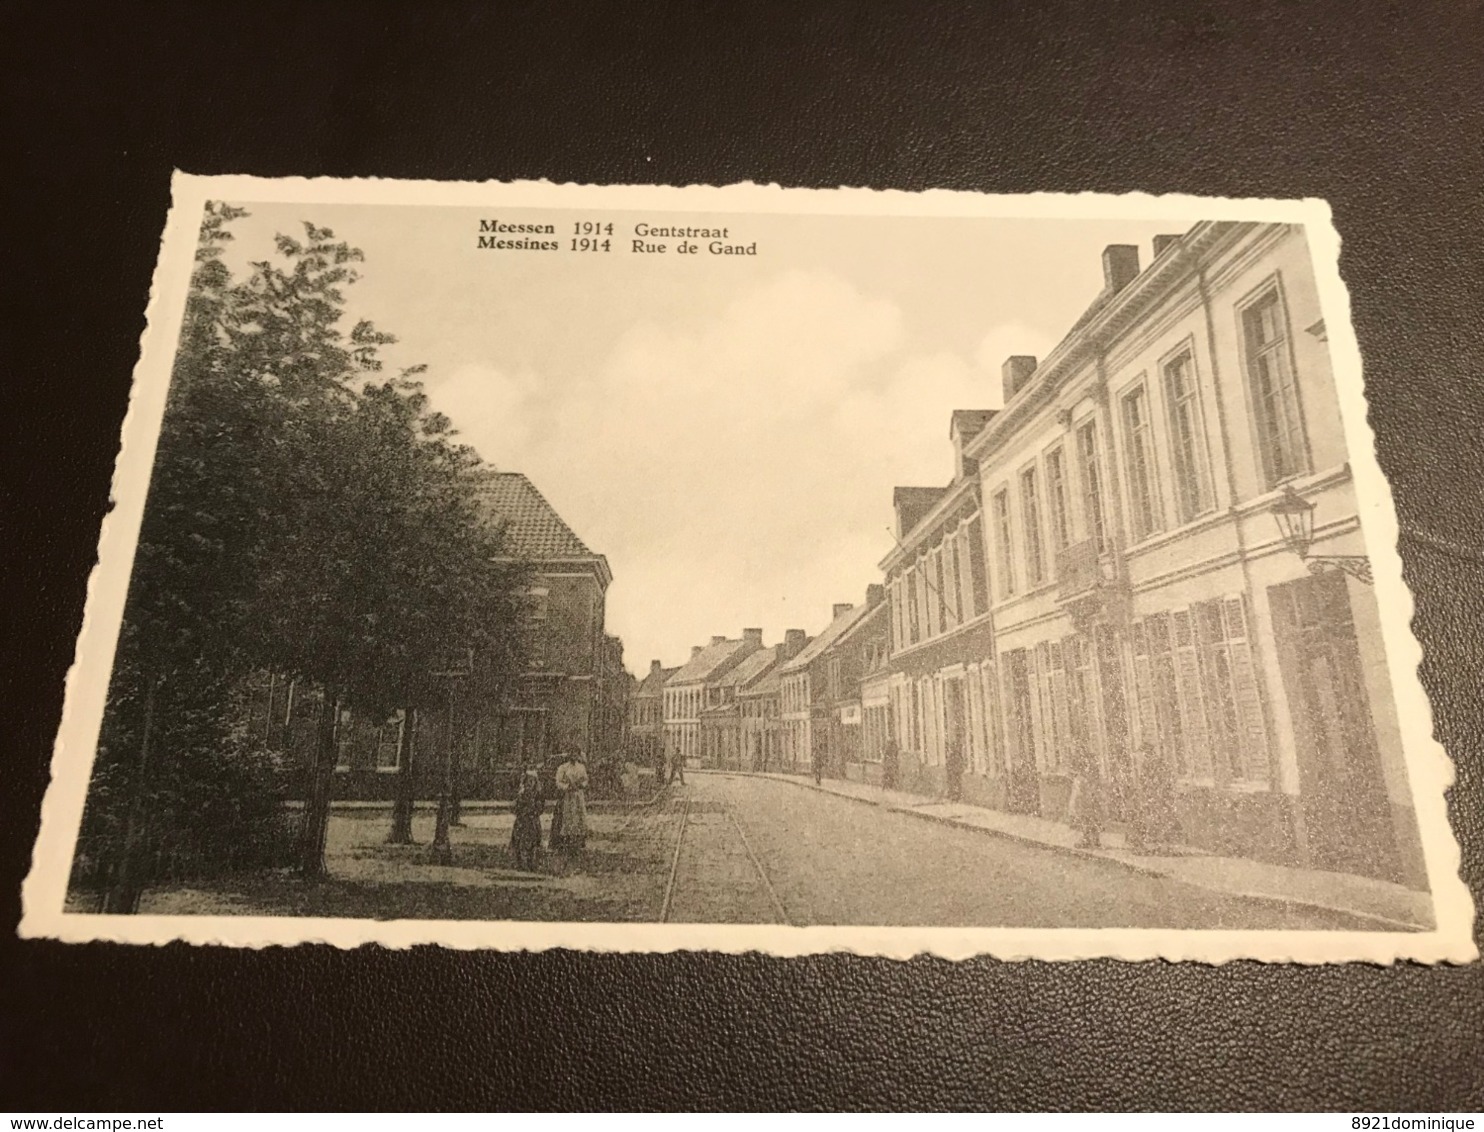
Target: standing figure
x,y
1086,804
571,784
677,767
889,755
530,803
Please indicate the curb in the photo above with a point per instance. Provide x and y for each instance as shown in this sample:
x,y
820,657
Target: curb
x,y
1386,922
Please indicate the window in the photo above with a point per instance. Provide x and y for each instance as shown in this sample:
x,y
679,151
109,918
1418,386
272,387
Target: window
x,y
1280,425
1143,488
951,580
1030,515
977,565
1187,438
1004,559
1056,499
937,604
913,624
1233,699
536,628
388,743
1092,486
962,555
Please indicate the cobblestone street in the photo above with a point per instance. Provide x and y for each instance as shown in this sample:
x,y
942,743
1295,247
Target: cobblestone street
x,y
738,850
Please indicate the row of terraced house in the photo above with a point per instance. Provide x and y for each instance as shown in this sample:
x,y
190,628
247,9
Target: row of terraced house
x,y
1146,567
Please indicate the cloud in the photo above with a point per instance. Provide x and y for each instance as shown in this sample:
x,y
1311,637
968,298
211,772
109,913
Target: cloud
x,y
737,471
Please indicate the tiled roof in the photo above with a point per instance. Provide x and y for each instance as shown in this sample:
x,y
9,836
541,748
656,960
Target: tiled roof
x,y
533,529
750,668
707,661
831,633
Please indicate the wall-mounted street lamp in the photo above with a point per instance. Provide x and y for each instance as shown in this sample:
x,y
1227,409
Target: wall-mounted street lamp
x,y
1295,516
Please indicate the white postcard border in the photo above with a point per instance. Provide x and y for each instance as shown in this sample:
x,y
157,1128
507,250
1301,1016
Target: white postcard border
x,y
1430,771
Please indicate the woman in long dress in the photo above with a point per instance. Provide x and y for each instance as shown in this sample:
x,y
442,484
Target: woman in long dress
x,y
571,784
525,838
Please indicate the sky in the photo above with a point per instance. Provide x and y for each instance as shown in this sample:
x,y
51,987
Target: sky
x,y
725,429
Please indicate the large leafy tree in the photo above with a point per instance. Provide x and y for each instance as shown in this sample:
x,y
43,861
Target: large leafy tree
x,y
306,516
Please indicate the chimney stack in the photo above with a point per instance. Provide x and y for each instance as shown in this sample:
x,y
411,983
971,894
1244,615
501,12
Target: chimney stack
x,y
1120,266
875,594
1162,242
793,643
753,637
841,609
655,668
695,651
1016,372
719,639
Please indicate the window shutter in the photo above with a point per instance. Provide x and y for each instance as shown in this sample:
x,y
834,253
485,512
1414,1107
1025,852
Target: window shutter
x,y
1192,703
1011,712
1060,707
993,756
1148,727
1253,731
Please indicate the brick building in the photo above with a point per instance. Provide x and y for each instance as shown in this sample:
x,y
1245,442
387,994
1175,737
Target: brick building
x,y
1132,606
693,689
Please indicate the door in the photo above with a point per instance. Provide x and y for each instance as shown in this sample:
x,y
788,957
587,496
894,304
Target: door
x,y
953,740
1347,817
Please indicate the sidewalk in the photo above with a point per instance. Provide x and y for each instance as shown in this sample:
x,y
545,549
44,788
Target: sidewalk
x,y
1392,907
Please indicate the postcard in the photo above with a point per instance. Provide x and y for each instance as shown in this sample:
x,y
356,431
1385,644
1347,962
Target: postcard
x,y
635,568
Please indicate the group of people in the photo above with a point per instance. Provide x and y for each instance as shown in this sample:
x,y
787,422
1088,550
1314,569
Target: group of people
x,y
568,836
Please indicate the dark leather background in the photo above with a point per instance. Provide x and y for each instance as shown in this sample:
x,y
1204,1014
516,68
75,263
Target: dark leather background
x,y
1378,108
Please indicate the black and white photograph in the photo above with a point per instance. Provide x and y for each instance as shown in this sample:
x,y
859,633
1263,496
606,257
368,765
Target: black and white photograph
x,y
530,565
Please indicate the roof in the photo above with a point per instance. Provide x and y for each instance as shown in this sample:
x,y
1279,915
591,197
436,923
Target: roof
x,y
827,637
876,613
533,529
970,421
653,683
710,660
750,668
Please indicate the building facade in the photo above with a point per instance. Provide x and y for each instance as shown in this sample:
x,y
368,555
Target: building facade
x,y
721,719
646,741
693,689
1147,619
853,741
571,696
806,700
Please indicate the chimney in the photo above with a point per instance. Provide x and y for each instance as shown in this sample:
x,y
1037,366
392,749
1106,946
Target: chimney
x,y
695,651
718,640
1162,242
1017,371
1120,265
875,594
655,668
753,637
793,642
841,609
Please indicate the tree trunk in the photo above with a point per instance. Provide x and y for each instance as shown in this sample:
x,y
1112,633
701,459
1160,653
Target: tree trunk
x,y
317,804
441,850
406,788
121,897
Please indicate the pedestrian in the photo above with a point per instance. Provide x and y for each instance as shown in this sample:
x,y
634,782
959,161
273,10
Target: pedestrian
x,y
818,766
889,755
1086,804
953,771
677,767
571,784
530,803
